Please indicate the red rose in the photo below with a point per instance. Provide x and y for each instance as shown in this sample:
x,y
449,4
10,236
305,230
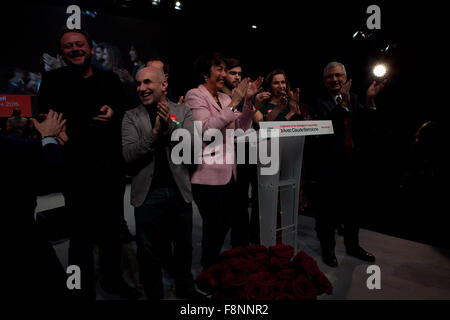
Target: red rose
x,y
282,251
173,117
277,264
284,286
306,265
206,281
262,261
304,289
256,249
260,287
240,265
286,274
217,269
234,279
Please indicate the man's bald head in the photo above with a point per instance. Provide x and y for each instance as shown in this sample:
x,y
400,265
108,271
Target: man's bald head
x,y
151,85
158,73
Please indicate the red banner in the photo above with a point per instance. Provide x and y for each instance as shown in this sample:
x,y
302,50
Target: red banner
x,y
10,101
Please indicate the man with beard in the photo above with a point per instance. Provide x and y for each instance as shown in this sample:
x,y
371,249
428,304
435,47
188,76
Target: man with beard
x,y
243,230
233,76
91,100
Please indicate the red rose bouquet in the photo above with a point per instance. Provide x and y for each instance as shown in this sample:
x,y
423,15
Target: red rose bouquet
x,y
260,273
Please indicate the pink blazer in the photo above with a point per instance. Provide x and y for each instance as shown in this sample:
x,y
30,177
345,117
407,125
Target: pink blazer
x,y
205,109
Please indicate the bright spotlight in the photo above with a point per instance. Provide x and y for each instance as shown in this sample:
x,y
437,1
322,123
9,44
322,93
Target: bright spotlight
x,y
156,2
178,5
379,70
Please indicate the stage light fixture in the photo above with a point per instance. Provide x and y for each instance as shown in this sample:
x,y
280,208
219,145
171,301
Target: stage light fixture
x,y
156,3
178,5
380,70
254,27
359,34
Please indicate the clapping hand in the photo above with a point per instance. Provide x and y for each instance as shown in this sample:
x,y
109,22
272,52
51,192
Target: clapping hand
x,y
294,101
374,89
106,114
254,87
239,92
162,116
260,98
53,125
345,93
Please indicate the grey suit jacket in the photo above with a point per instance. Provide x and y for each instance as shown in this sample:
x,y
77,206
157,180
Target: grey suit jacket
x,y
139,144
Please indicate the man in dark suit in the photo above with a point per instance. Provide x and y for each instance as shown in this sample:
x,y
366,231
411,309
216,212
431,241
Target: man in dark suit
x,y
161,190
336,161
30,168
91,100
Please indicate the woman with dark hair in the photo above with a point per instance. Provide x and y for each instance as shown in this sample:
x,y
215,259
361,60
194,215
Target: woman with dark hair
x,y
214,183
111,57
277,102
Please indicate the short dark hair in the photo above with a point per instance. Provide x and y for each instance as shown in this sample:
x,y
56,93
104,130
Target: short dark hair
x,y
268,79
203,64
65,30
231,63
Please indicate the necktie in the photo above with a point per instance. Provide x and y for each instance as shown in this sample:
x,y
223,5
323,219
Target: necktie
x,y
348,141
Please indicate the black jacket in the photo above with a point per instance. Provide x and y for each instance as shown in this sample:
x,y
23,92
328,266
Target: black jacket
x,y
94,147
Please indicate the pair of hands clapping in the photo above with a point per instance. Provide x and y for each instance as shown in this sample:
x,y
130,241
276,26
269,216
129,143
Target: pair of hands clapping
x,y
246,89
53,125
162,116
291,100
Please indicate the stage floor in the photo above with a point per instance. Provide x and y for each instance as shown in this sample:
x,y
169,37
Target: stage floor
x,y
409,270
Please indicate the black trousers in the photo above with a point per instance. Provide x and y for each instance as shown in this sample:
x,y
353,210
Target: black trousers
x,y
216,205
243,229
164,217
336,203
96,214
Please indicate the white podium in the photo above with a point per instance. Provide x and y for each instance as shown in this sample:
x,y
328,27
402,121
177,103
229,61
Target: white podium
x,y
285,180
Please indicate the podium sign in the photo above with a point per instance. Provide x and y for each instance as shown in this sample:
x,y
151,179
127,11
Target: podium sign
x,y
285,183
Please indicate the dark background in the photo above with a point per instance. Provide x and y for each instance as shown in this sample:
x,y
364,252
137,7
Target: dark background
x,y
300,37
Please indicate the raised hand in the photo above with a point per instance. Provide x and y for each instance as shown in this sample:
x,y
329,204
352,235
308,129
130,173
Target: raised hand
x,y
51,126
294,101
62,136
51,63
254,87
345,92
260,98
162,116
239,92
374,89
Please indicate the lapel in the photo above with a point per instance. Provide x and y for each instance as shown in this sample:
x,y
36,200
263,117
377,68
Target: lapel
x,y
209,97
144,120
172,108
330,102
